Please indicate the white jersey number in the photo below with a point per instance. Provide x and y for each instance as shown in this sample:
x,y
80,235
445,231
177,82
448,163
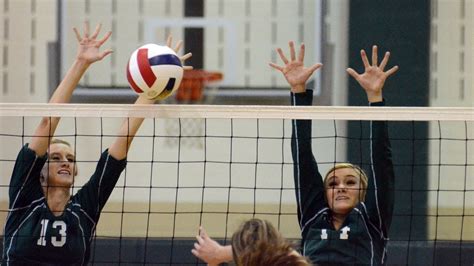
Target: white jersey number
x,y
57,241
344,233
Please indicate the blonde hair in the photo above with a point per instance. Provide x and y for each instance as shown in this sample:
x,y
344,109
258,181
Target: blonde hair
x,y
258,242
364,180
60,141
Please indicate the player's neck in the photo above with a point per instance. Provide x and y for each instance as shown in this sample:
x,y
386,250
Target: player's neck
x,y
57,198
338,220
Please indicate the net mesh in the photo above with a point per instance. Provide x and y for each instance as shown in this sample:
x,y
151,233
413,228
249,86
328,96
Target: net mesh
x,y
243,169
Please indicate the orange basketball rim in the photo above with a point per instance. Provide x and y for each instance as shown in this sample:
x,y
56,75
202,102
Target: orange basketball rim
x,y
193,83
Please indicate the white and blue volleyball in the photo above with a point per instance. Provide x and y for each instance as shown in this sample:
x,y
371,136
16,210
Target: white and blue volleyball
x,y
154,70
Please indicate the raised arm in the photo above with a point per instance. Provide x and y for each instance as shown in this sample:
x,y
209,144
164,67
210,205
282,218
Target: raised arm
x,y
309,186
380,194
88,53
130,126
95,193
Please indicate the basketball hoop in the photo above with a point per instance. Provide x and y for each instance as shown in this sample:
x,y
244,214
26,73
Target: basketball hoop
x,y
193,83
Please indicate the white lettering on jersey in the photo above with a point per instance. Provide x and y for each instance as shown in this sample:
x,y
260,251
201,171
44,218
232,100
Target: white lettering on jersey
x,y
57,241
324,234
344,235
42,239
60,240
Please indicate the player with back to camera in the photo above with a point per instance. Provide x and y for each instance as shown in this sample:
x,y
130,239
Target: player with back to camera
x,y
45,224
345,217
256,242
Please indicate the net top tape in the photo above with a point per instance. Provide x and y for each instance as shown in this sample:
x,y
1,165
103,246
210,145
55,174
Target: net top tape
x,y
238,111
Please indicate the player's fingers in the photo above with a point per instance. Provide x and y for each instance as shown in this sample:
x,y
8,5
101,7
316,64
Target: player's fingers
x,y
106,37
353,73
275,66
169,41
186,56
105,53
292,51
197,247
78,35
384,62
178,46
96,31
199,239
365,60
282,56
188,67
375,55
86,29
203,233
315,67
302,52
195,252
391,71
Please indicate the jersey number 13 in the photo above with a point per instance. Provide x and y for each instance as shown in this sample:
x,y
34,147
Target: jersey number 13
x,y
56,241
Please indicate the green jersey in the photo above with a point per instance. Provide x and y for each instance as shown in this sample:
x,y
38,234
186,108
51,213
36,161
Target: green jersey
x,y
363,236
33,235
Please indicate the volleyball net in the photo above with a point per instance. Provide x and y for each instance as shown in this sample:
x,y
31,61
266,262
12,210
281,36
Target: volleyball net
x,y
217,166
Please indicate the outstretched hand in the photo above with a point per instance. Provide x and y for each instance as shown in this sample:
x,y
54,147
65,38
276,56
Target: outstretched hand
x,y
209,250
374,77
296,74
89,46
176,49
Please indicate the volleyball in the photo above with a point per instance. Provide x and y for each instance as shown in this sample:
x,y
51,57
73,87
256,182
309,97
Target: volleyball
x,y
154,70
